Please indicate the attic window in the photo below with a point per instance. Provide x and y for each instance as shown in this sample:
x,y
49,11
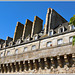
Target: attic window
x,y
19,41
4,46
50,33
35,37
10,44
60,30
27,39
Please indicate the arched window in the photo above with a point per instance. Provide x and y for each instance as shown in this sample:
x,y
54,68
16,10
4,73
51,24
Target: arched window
x,y
60,30
8,52
35,37
60,41
33,47
25,49
49,44
50,33
70,39
16,51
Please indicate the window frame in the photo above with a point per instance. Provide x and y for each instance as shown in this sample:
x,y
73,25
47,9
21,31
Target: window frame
x,y
58,40
47,43
1,54
72,28
24,49
49,32
7,53
15,51
59,30
69,39
35,47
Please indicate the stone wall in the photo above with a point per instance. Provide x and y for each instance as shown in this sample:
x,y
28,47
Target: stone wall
x,y
53,19
47,65
18,31
37,26
27,29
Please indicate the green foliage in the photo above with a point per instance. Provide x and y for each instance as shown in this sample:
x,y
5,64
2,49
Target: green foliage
x,y
73,41
72,20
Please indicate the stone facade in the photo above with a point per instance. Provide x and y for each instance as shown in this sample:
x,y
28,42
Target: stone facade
x,y
27,29
18,31
34,51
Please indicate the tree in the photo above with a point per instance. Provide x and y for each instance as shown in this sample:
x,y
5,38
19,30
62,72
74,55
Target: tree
x,y
72,22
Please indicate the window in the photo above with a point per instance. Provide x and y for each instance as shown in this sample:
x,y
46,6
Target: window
x,y
1,54
60,30
72,27
4,46
27,39
8,53
10,44
0,46
25,49
70,39
60,41
16,51
19,41
49,44
35,37
33,47
50,33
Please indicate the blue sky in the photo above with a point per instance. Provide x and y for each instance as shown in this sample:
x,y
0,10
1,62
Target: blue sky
x,y
12,12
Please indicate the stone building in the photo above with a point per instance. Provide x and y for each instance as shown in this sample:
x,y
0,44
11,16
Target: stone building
x,y
39,51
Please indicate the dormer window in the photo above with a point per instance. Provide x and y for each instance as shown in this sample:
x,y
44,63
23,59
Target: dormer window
x,y
4,46
19,41
50,33
27,39
35,37
60,30
10,44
